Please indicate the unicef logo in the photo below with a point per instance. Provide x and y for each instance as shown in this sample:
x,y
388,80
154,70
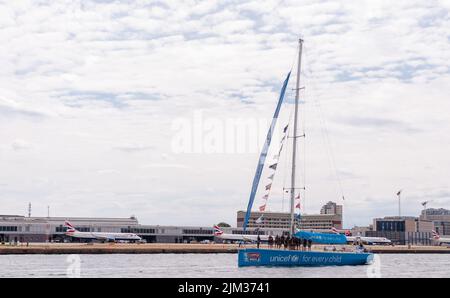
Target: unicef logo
x,y
294,259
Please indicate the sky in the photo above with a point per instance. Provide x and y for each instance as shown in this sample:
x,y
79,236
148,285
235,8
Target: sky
x,y
158,109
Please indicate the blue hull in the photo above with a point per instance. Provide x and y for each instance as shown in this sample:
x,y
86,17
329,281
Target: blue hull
x,y
273,257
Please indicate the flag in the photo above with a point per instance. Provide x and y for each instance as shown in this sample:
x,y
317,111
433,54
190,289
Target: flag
x,y
285,128
297,197
298,205
262,208
268,186
399,192
271,177
259,220
274,166
265,197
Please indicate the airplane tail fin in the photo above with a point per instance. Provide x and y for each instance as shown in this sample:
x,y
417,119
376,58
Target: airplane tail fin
x,y
217,231
70,227
435,235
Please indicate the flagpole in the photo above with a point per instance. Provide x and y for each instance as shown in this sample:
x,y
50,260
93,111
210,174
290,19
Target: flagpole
x,y
294,143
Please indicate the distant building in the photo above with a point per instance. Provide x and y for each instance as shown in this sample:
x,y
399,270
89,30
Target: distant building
x,y
331,217
331,208
402,230
277,220
361,231
439,217
16,228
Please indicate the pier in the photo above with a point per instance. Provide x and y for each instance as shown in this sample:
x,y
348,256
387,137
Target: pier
x,y
171,248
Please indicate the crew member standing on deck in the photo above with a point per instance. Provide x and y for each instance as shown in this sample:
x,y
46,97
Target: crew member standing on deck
x,y
270,241
309,244
305,244
258,241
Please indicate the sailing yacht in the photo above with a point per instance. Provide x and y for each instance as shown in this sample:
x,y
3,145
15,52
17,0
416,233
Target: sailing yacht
x,y
278,257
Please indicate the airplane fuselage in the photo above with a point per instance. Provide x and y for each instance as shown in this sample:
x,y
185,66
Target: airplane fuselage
x,y
369,240
441,241
238,237
104,236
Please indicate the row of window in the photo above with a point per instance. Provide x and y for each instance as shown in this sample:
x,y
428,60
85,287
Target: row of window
x,y
138,231
8,229
62,229
199,232
393,226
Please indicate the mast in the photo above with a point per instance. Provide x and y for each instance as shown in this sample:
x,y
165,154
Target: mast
x,y
294,142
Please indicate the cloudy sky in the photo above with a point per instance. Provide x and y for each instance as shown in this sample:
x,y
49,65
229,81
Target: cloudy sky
x,y
98,98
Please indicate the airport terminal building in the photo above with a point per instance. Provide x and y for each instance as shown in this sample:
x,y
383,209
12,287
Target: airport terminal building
x,y
16,228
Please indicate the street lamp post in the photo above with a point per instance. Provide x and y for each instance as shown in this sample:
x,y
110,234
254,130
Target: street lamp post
x,y
399,203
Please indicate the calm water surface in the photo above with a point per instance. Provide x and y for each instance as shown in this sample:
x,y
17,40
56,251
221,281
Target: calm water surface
x,y
211,265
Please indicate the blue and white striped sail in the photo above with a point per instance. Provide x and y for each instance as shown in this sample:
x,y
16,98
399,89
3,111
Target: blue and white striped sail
x,y
262,157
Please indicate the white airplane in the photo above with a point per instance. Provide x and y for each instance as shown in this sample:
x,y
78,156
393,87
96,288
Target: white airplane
x,y
439,240
249,238
365,240
112,237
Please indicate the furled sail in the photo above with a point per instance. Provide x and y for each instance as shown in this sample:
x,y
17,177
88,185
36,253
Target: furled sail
x,y
262,157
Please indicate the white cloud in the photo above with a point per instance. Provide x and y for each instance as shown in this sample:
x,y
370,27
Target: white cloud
x,y
92,88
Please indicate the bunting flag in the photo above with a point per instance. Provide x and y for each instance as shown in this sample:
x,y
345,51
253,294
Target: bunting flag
x,y
259,220
274,168
297,199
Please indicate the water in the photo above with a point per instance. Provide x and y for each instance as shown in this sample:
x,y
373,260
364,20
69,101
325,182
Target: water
x,y
211,265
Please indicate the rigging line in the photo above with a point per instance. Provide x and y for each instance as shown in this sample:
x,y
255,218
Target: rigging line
x,y
326,137
304,113
285,160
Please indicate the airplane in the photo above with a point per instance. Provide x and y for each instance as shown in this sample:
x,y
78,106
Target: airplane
x,y
110,237
238,237
366,240
438,239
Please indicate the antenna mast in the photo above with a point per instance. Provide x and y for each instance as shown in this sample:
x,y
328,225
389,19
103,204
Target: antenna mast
x,y
294,143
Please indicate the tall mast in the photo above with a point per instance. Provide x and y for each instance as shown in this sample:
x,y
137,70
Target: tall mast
x,y
294,142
